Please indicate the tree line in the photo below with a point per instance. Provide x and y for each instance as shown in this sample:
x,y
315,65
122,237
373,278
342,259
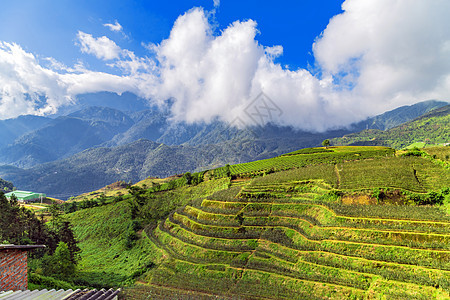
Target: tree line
x,y
21,226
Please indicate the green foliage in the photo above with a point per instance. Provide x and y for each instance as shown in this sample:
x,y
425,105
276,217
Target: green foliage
x,y
290,236
19,225
6,186
308,151
326,143
60,264
378,194
36,281
414,152
431,198
114,250
305,158
102,233
188,178
410,173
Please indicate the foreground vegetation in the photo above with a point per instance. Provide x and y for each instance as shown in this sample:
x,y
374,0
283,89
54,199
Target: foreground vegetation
x,y
336,223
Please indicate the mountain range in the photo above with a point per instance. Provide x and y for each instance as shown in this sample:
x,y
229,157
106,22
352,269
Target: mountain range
x,y
120,138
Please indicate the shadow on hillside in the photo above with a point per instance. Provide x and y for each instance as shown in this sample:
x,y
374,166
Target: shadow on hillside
x,y
100,280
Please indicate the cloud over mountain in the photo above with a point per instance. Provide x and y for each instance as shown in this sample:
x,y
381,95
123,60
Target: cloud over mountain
x,y
376,55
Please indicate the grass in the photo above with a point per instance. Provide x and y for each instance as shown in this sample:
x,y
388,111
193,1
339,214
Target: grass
x,y
105,260
120,188
442,153
286,162
414,174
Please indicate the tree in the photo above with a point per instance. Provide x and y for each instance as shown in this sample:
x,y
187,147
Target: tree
x,y
188,178
227,170
60,264
66,236
326,143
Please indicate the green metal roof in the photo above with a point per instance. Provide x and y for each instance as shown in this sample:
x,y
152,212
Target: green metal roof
x,y
25,195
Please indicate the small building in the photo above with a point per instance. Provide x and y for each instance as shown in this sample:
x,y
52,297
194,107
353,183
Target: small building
x,y
13,266
24,196
14,279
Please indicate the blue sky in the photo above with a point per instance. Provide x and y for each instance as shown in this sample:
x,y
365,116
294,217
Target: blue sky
x,y
49,28
325,63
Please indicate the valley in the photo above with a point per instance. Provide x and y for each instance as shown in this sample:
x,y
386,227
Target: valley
x,y
89,147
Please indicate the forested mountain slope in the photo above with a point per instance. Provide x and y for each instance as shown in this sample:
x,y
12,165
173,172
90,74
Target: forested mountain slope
x,y
431,128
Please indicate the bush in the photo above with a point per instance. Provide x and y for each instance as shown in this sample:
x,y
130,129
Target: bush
x,y
378,194
48,282
414,152
431,198
131,235
60,264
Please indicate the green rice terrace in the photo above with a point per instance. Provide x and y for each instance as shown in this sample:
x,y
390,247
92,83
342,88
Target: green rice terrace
x,y
336,223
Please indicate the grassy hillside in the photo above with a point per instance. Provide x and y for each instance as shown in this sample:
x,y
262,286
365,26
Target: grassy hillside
x,y
115,251
337,223
431,128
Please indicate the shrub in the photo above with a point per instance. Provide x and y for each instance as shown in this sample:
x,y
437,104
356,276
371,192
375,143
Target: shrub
x,y
378,194
59,265
414,152
48,282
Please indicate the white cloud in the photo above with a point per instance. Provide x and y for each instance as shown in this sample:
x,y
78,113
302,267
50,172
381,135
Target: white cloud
x,y
216,3
23,83
376,55
26,87
392,52
102,47
212,76
116,27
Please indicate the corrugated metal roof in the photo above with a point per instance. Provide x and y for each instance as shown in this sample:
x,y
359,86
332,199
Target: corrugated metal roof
x,y
60,295
25,195
24,247
36,294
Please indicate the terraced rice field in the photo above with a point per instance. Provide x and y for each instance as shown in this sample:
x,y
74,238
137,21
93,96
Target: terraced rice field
x,y
304,158
286,235
301,249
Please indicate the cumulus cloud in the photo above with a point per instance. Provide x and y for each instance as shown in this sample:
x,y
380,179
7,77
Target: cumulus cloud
x,y
101,47
27,87
23,84
211,76
391,52
116,27
376,55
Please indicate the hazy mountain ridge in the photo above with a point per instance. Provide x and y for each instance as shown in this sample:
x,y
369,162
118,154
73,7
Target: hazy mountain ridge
x,y
65,136
11,129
